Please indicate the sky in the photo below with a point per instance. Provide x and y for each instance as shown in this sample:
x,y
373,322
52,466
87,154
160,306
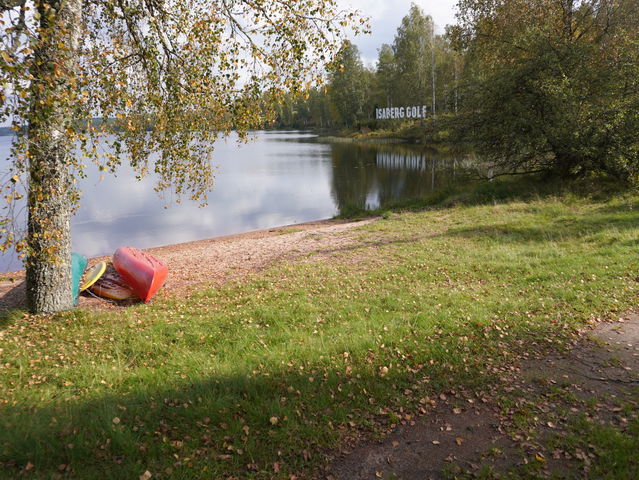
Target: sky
x,y
386,16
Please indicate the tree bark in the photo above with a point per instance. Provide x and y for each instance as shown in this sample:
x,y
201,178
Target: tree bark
x,y
48,264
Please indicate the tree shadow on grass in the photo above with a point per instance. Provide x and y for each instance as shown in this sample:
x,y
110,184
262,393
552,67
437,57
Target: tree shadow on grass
x,y
12,299
608,221
534,187
218,426
518,188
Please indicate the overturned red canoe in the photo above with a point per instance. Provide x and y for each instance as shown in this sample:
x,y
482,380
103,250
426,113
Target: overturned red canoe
x,y
143,272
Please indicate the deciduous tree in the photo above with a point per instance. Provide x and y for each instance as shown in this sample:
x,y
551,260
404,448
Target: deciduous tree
x,y
350,85
386,77
555,86
165,76
413,48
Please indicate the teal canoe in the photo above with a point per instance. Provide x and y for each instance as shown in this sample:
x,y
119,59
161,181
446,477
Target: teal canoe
x,y
78,264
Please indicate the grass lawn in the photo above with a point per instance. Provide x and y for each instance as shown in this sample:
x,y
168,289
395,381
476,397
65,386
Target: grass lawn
x,y
257,379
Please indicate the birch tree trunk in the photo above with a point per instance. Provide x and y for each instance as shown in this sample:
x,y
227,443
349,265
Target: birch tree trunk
x,y
432,66
48,264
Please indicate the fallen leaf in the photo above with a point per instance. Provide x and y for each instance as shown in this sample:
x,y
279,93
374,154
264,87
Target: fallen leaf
x,y
459,440
146,475
274,420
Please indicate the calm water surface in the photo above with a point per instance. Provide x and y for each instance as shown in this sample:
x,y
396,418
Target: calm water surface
x,y
279,178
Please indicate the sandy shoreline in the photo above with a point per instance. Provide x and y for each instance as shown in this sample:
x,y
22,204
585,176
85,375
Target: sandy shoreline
x,y
216,259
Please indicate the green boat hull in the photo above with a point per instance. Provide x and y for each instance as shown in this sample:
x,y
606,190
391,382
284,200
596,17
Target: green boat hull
x,y
78,265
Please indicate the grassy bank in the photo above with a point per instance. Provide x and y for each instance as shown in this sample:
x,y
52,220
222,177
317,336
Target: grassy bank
x,y
258,378
440,131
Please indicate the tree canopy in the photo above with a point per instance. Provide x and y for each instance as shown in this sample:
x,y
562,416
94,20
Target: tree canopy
x,y
554,84
414,57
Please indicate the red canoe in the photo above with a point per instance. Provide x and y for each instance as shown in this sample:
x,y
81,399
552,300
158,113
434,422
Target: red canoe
x,y
144,273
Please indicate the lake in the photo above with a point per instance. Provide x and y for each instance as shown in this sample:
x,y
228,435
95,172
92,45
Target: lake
x,y
278,178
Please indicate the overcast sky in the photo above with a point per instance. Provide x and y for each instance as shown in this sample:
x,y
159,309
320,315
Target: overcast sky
x,y
386,16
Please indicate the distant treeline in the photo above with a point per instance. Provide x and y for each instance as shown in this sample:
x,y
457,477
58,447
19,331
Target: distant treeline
x,y
534,86
419,68
96,122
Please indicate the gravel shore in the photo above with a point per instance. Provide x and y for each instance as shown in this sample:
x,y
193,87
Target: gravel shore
x,y
216,260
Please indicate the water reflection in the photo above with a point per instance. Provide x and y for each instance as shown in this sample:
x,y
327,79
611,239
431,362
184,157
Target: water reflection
x,y
370,176
278,178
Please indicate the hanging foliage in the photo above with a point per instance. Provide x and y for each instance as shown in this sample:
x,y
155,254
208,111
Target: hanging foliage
x,y
148,82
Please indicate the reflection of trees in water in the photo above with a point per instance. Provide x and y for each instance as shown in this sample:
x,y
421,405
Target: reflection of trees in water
x,y
369,176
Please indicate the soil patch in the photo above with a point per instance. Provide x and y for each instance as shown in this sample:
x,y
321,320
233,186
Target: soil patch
x,y
463,435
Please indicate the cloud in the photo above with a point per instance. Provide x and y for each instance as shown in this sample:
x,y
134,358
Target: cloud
x,y
266,183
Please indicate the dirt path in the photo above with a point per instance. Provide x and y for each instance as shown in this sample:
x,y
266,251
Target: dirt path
x,y
462,434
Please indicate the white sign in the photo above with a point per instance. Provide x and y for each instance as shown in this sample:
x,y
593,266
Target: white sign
x,y
401,161
401,112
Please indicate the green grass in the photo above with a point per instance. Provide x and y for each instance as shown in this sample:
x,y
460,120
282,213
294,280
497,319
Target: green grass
x,y
286,231
256,379
611,452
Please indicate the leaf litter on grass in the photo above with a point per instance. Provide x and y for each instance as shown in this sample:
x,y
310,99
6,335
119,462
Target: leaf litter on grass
x,y
439,319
